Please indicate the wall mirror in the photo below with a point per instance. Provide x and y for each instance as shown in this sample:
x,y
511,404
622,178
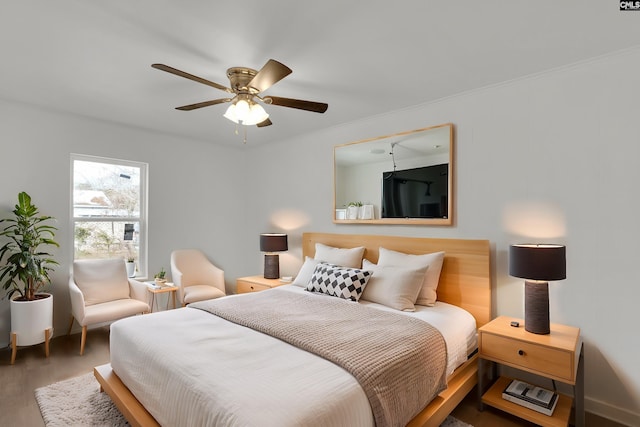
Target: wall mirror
x,y
404,178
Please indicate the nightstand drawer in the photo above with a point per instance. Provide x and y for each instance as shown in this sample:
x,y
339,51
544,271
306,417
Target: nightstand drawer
x,y
244,287
530,357
256,284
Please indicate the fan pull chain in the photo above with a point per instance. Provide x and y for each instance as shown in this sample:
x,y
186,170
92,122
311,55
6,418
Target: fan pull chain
x,y
244,139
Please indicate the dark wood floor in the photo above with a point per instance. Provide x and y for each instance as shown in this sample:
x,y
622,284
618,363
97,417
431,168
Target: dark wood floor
x,y
18,406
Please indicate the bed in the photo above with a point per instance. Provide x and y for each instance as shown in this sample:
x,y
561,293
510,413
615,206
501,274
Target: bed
x,y
264,378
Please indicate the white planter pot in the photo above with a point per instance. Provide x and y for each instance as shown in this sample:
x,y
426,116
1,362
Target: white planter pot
x,y
131,269
365,212
352,212
29,320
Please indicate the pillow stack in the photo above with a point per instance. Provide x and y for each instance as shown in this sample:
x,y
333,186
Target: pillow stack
x,y
399,280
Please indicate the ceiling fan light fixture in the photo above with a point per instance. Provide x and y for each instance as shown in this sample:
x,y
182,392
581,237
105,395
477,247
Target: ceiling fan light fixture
x,y
246,112
242,109
245,84
257,114
231,113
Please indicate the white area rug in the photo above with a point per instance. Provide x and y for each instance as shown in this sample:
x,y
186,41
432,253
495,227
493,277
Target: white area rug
x,y
78,402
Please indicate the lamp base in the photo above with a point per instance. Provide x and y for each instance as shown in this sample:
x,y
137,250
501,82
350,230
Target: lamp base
x,y
536,307
271,266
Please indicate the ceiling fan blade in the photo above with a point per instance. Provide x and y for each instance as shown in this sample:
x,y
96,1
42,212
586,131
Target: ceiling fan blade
x,y
264,123
203,104
177,72
271,73
316,107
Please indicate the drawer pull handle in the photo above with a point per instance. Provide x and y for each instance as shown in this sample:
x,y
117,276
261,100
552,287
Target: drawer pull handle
x,y
521,352
251,287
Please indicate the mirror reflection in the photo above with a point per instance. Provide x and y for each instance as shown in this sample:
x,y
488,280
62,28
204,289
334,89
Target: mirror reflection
x,y
404,178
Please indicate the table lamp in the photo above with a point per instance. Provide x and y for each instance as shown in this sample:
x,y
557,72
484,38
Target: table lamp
x,y
270,243
537,263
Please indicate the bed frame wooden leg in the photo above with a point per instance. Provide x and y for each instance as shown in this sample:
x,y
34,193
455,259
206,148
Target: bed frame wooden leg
x,y
14,347
83,340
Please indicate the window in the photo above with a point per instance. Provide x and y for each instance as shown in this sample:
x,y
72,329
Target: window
x,y
109,209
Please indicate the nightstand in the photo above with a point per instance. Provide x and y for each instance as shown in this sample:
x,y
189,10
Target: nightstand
x,y
557,356
256,284
155,289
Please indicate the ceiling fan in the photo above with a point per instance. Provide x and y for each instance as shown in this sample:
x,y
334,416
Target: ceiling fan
x,y
246,86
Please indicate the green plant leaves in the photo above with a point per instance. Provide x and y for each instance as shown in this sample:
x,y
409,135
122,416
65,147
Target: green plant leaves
x,y
27,267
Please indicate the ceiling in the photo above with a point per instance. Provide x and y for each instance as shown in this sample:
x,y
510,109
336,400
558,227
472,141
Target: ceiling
x,y
93,58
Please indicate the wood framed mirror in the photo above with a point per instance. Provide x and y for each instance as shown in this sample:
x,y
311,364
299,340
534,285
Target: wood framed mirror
x,y
404,178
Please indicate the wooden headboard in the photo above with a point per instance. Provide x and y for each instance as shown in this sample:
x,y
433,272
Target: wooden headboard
x,y
465,278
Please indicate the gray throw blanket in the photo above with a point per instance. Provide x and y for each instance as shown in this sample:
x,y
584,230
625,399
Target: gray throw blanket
x,y
400,362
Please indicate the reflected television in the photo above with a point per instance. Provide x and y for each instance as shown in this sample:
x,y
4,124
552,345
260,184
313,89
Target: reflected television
x,y
416,193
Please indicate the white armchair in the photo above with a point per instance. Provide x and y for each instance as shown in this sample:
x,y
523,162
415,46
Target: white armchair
x,y
195,276
101,292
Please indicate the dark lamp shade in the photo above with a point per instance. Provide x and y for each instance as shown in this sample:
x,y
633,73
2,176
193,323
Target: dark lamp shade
x,y
273,242
538,262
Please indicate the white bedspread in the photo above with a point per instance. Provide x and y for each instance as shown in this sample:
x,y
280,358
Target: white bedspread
x,y
188,367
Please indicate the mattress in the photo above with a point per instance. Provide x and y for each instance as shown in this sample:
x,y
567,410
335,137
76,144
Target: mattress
x,y
188,367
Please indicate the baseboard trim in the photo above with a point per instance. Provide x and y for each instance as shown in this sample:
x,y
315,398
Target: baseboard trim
x,y
611,412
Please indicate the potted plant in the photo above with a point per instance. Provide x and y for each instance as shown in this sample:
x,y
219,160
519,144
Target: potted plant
x,y
26,271
352,210
160,278
131,266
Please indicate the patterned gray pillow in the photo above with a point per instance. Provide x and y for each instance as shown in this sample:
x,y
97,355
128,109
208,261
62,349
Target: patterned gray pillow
x,y
342,282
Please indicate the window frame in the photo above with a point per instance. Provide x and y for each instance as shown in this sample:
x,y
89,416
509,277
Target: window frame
x,y
142,260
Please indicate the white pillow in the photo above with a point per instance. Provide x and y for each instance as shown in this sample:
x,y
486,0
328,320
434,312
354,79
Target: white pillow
x,y
395,287
340,256
304,275
433,261
338,281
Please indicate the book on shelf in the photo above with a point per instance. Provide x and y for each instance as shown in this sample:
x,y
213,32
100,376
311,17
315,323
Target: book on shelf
x,y
530,396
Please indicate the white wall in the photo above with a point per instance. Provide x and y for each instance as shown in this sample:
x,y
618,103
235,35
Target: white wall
x,y
551,158
196,190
